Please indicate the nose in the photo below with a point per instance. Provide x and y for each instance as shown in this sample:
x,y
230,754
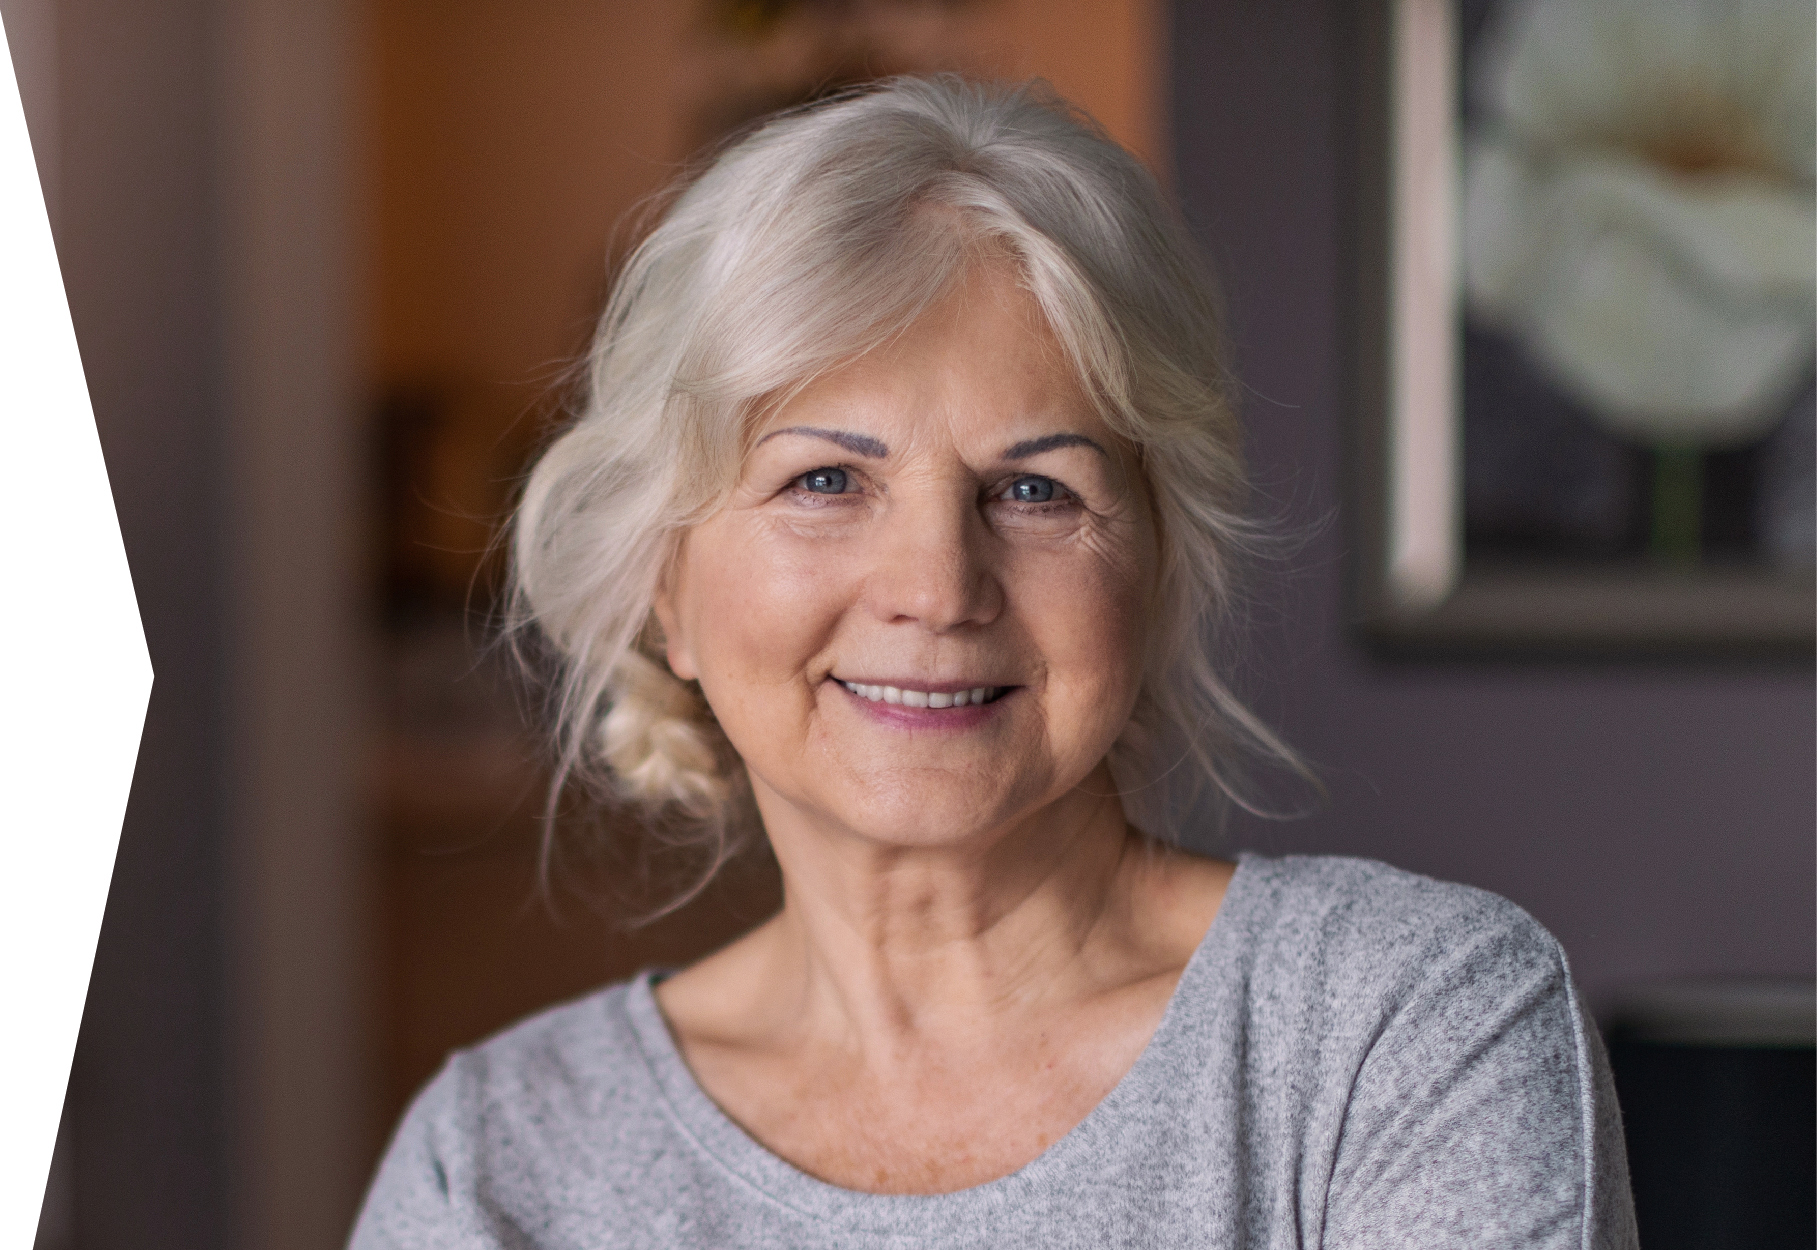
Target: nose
x,y
932,562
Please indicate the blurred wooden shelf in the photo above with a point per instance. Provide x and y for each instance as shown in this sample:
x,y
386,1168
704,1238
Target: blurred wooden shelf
x,y
433,792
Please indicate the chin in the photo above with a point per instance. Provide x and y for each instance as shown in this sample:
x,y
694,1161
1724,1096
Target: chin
x,y
920,813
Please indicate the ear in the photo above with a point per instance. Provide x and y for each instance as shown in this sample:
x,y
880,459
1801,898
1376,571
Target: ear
x,y
674,638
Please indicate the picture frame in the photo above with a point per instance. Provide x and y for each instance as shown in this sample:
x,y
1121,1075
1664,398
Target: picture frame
x,y
1420,583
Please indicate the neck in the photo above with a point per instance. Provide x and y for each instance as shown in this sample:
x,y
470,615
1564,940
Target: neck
x,y
889,948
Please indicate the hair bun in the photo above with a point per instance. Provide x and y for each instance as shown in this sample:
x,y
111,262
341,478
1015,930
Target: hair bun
x,y
658,738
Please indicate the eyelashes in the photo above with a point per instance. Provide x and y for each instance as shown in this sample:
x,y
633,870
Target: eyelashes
x,y
1029,488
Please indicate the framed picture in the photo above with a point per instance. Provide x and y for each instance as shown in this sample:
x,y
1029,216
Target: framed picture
x,y
1584,326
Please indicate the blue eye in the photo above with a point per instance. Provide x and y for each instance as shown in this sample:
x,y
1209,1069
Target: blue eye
x,y
1031,490
823,482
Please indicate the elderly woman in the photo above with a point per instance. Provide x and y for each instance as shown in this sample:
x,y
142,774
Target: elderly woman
x,y
896,522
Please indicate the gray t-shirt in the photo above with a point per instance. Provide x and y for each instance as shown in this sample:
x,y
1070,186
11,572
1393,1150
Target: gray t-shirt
x,y
1354,1057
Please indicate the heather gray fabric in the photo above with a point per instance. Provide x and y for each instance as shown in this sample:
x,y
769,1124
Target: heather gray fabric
x,y
1355,1057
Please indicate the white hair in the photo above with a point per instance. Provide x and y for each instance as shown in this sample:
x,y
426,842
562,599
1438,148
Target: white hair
x,y
818,236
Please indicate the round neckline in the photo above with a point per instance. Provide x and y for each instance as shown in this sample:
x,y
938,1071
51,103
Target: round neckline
x,y
734,1150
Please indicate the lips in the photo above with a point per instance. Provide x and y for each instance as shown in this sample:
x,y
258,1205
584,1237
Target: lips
x,y
920,698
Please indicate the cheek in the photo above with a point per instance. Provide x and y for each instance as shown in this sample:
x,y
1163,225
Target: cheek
x,y
757,612
1096,644
1089,616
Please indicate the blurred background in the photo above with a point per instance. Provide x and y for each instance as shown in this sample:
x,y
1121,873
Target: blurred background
x,y
328,264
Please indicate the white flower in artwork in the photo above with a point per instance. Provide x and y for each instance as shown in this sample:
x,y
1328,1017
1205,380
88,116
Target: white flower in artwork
x,y
1639,211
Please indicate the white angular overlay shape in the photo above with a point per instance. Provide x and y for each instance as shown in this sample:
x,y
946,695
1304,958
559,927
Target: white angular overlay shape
x,y
74,680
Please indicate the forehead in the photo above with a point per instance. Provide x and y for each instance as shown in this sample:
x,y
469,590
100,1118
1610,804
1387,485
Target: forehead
x,y
981,365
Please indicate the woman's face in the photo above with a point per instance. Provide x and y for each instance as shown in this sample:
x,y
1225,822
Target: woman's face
x,y
920,618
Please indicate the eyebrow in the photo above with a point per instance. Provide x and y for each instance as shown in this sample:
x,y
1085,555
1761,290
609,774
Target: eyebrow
x,y
1051,442
857,444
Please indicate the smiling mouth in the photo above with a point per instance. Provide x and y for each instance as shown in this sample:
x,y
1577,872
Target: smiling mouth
x,y
927,698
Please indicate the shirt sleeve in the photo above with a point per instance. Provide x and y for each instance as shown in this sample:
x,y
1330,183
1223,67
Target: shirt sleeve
x,y
420,1198
1483,1114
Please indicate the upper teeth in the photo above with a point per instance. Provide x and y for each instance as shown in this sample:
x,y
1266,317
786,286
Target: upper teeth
x,y
922,698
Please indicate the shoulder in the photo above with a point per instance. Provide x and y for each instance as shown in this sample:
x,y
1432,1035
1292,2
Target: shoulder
x,y
1438,1049
1369,889
587,1040
586,1048
1381,931
510,1114
1368,904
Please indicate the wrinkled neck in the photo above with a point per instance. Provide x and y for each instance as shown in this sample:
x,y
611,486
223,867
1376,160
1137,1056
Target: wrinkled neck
x,y
891,947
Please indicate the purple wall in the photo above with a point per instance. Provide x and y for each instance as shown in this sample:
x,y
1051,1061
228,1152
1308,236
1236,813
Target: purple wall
x,y
1659,819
